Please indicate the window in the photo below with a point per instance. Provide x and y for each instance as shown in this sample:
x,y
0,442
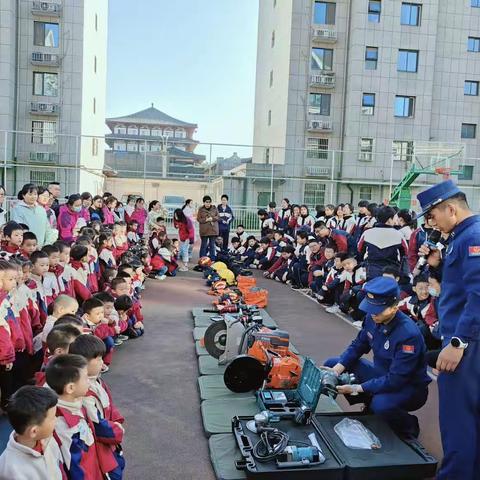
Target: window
x,y
467,172
168,132
156,147
374,10
269,117
469,130
319,104
132,130
475,3
120,146
407,61
411,13
42,178
45,84
94,105
324,13
263,198
273,38
143,147
132,147
271,78
94,147
317,148
471,87
404,106
322,59
45,34
145,131
120,130
402,150
314,194
371,58
473,44
365,193
366,149
44,133
368,104
156,132
95,64
179,133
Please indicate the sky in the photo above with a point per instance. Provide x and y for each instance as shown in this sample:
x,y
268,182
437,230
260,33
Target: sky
x,y
195,60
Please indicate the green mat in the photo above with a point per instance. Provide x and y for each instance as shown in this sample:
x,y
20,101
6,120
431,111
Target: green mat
x,y
198,332
223,453
208,365
199,350
217,413
199,311
213,386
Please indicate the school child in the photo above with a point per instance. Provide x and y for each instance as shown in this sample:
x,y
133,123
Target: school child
x,y
120,240
272,212
330,219
251,246
13,238
240,233
266,222
40,266
299,268
105,417
132,235
29,244
124,306
320,264
353,277
279,270
284,214
417,305
95,323
78,272
113,318
265,255
236,249
92,262
67,375
106,251
333,286
338,239
108,211
292,223
163,261
347,221
63,305
52,281
305,221
32,452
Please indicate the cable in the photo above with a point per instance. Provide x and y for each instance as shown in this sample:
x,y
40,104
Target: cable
x,y
272,443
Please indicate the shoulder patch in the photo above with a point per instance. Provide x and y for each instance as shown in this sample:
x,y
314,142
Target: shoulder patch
x,y
408,348
474,251
370,335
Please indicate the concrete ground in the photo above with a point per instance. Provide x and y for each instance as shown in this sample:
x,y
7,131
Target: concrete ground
x,y
154,378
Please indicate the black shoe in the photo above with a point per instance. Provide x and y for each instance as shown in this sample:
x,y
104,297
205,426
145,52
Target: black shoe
x,y
296,287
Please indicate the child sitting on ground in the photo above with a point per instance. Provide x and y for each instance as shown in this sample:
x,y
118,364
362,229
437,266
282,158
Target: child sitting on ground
x,y
107,420
279,270
353,277
124,307
265,255
163,261
32,452
78,272
63,305
332,288
250,250
112,317
29,244
320,265
67,375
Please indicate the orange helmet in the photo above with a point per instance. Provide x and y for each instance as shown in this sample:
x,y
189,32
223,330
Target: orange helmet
x,y
204,261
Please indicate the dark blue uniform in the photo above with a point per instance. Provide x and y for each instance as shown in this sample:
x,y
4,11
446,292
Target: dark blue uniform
x,y
398,378
459,314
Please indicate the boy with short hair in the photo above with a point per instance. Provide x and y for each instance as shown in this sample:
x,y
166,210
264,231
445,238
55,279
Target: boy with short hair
x,y
13,238
240,233
40,267
279,270
124,307
353,278
29,244
52,284
319,266
265,255
106,419
32,452
67,375
333,286
417,305
78,273
112,317
63,305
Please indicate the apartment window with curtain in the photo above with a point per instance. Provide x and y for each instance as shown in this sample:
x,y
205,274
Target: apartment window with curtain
x,y
324,13
368,104
366,149
44,132
319,104
371,58
407,61
46,34
45,84
411,14
374,11
404,106
322,59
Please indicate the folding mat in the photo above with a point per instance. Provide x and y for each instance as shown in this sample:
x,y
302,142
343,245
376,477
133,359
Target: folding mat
x,y
198,332
200,349
208,365
202,317
213,386
223,453
217,413
202,321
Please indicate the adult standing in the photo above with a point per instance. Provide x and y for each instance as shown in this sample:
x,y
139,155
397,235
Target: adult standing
x,y
96,209
129,207
186,235
45,199
3,219
140,215
56,191
225,215
188,209
68,217
29,212
155,210
87,200
447,209
207,218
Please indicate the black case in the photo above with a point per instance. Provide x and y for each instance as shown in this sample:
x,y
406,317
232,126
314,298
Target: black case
x,y
395,460
332,469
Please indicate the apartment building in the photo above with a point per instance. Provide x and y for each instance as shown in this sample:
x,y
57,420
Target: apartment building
x,y
351,94
53,63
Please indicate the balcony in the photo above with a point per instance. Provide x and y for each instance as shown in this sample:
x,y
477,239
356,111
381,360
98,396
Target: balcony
x,y
314,125
318,172
324,35
50,9
40,108
322,80
46,59
43,157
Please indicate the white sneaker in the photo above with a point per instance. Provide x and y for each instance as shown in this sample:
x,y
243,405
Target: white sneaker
x,y
160,277
333,309
183,269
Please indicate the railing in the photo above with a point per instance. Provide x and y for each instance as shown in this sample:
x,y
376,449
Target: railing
x,y
46,8
319,125
324,35
41,108
322,80
47,157
46,59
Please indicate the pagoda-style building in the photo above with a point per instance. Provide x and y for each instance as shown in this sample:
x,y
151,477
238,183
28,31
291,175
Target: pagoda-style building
x,y
153,144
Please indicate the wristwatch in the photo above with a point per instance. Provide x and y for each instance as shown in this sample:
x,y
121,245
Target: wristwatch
x,y
456,342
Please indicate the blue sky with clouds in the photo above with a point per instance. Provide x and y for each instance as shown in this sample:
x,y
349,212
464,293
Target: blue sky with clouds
x,y
194,60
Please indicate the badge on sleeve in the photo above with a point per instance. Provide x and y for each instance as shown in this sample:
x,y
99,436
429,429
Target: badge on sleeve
x,y
474,251
386,346
408,348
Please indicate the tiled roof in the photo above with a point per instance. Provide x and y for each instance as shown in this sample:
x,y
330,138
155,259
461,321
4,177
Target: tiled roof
x,y
151,116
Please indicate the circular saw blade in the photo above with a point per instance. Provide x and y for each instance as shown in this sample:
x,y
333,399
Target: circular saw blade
x,y
244,374
215,338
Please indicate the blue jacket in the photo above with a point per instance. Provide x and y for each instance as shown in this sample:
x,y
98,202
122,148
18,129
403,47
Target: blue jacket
x,y
459,305
225,218
398,354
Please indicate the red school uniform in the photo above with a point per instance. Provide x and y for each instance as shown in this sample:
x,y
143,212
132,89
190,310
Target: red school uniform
x,y
36,285
20,308
7,349
80,281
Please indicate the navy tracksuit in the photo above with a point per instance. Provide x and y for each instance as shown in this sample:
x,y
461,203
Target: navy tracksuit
x,y
398,378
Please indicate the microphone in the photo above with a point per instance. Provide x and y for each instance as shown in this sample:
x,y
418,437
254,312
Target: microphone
x,y
432,242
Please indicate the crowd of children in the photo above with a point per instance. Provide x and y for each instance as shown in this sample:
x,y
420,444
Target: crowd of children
x,y
331,253
64,309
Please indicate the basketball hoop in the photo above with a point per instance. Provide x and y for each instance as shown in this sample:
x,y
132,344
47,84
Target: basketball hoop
x,y
444,171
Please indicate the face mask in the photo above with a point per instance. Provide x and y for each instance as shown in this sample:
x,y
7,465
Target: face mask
x,y
433,292
77,209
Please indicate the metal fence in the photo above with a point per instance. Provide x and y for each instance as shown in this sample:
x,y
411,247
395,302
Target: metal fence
x,y
173,169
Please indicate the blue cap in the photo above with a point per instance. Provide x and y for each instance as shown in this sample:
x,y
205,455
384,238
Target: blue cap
x,y
381,293
437,194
